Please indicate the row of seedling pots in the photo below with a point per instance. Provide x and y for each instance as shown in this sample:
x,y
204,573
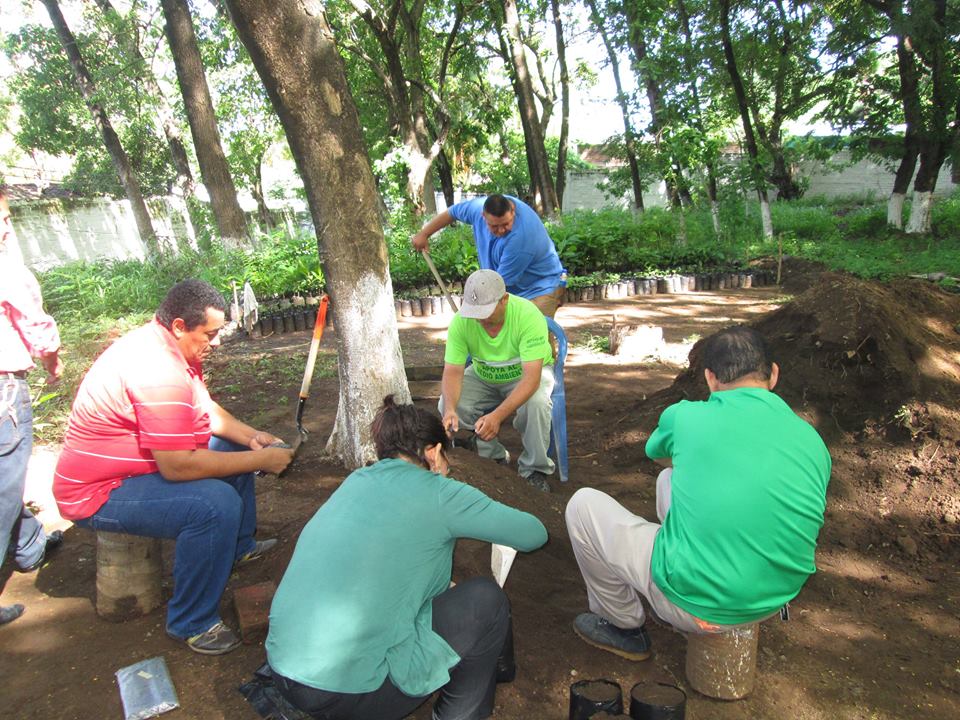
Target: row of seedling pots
x,y
669,284
291,319
298,313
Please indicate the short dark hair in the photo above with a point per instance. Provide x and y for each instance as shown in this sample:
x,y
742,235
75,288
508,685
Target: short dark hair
x,y
497,205
189,300
406,430
736,352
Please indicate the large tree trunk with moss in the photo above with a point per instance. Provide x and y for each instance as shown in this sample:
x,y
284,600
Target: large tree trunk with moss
x,y
121,163
544,191
292,48
230,219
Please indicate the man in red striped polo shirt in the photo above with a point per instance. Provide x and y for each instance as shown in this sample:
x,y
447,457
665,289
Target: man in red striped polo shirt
x,y
148,452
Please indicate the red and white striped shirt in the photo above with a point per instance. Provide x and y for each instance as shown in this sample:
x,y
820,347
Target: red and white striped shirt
x,y
26,331
140,395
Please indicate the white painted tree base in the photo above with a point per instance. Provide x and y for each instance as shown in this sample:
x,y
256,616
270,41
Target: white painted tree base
x,y
895,210
765,218
920,210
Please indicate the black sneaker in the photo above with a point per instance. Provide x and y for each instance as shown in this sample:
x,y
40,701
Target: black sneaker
x,y
9,613
54,540
538,480
218,640
505,460
597,631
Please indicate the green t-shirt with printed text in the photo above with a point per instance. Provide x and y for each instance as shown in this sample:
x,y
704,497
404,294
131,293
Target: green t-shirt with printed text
x,y
498,360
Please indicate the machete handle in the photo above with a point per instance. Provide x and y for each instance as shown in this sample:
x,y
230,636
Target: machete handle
x,y
314,346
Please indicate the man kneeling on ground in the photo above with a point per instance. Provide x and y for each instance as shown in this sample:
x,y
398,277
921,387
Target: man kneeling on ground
x,y
511,373
741,502
148,452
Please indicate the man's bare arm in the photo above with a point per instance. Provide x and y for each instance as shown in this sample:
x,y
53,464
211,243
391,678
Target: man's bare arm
x,y
451,385
185,465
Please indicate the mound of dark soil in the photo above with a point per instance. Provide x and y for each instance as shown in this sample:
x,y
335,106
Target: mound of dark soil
x,y
856,357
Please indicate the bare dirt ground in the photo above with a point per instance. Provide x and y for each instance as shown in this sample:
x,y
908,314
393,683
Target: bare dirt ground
x,y
873,635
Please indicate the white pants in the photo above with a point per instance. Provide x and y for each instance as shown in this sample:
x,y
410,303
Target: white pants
x,y
613,548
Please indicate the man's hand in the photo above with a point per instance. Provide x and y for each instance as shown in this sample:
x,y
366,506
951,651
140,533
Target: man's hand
x,y
451,422
262,440
487,427
53,364
420,241
276,459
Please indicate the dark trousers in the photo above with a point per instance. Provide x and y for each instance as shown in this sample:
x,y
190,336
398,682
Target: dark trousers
x,y
474,618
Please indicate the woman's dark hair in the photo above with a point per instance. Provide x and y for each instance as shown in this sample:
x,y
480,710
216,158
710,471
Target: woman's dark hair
x,y
189,300
736,352
497,205
406,430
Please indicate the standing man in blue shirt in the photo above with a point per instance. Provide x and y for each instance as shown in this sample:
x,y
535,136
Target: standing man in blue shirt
x,y
511,240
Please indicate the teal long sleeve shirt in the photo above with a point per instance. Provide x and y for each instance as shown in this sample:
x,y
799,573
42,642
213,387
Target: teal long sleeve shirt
x,y
355,604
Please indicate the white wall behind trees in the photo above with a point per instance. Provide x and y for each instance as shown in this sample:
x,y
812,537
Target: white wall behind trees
x,y
54,232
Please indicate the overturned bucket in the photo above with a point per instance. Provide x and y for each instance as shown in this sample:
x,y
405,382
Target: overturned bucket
x,y
589,698
657,701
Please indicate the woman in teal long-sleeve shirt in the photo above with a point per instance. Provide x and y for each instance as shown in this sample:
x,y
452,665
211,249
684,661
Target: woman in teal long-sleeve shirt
x,y
365,623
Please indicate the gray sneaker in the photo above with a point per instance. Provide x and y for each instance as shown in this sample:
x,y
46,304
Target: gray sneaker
x,y
631,644
538,480
260,547
218,640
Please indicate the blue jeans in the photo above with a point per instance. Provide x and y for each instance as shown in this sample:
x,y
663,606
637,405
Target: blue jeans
x,y
16,442
212,520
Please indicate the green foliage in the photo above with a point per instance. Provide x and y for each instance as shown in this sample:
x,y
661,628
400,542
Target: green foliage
x,y
503,169
619,240
56,120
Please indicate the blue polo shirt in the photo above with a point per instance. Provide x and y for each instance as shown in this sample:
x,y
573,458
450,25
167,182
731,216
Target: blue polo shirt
x,y
525,257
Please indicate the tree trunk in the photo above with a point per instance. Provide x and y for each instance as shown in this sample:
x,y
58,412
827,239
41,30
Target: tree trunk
x,y
782,176
230,219
263,212
938,137
698,113
121,162
171,131
564,103
544,191
445,172
932,155
292,48
751,140
628,139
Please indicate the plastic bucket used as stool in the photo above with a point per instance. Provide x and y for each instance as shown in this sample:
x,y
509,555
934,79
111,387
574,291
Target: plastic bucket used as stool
x,y
592,697
657,701
723,665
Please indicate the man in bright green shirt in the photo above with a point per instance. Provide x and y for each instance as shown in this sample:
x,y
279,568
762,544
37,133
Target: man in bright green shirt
x,y
741,503
511,374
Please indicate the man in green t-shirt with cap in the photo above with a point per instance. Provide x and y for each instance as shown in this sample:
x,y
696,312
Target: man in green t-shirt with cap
x,y
510,375
740,504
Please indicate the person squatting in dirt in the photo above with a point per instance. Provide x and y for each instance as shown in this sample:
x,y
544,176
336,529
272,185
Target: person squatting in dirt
x,y
365,624
511,240
510,374
740,504
148,452
26,333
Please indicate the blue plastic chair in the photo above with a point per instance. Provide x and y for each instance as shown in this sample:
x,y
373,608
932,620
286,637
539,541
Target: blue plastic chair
x,y
558,419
